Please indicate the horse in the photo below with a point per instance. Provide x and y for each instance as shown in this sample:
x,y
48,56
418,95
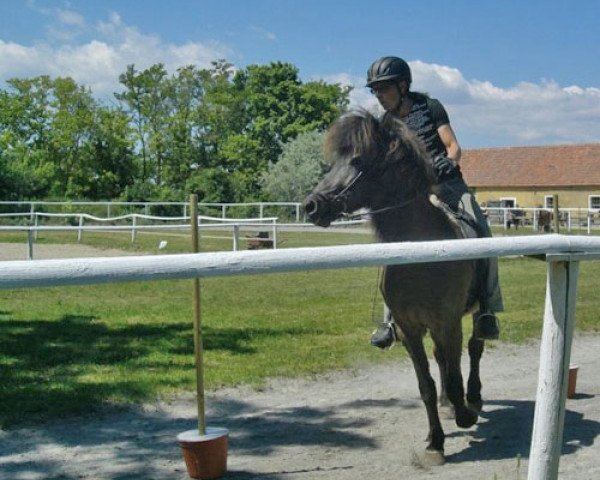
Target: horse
x,y
381,166
544,220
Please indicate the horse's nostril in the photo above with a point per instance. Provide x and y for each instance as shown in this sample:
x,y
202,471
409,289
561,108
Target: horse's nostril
x,y
311,207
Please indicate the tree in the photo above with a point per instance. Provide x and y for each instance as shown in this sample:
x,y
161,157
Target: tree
x,y
299,168
278,107
108,166
214,130
145,98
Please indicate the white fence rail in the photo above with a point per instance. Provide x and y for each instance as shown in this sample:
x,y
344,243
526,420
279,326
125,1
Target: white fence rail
x,y
33,206
563,254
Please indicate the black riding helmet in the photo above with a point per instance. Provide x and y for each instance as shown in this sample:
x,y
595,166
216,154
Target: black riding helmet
x,y
388,68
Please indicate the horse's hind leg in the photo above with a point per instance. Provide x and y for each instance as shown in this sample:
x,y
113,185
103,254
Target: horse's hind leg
x,y
435,447
474,400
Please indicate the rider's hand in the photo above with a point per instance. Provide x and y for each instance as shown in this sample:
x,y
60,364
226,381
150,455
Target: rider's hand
x,y
444,167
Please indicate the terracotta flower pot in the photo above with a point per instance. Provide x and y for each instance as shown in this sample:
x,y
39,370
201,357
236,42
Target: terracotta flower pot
x,y
205,455
571,386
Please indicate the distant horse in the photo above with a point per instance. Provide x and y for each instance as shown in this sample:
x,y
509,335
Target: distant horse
x,y
383,167
544,220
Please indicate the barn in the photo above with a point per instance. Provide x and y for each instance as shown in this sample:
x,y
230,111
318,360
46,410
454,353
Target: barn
x,y
527,177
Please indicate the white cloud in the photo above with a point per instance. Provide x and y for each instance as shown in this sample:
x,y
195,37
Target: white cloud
x,y
98,62
487,115
69,17
263,33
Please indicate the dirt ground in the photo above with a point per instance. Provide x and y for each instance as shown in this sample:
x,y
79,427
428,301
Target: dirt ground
x,y
359,424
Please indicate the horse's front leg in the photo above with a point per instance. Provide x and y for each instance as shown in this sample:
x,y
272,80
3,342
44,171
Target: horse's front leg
x,y
434,454
444,402
450,343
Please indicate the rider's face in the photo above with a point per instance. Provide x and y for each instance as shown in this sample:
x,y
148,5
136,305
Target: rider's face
x,y
388,95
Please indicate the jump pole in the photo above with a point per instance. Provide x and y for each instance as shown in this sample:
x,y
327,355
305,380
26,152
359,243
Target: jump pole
x,y
198,347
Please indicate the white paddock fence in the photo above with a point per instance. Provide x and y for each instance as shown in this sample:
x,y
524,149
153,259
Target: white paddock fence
x,y
108,225
563,254
205,223
34,206
517,217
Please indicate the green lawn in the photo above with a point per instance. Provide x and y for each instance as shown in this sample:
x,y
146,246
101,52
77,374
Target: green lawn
x,y
71,350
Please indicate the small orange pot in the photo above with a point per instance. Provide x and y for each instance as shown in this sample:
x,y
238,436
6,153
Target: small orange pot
x,y
205,455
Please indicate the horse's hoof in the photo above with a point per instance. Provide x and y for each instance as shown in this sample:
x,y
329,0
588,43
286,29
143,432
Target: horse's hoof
x,y
467,418
432,458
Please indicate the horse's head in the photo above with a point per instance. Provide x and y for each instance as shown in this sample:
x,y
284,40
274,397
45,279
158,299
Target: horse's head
x,y
369,161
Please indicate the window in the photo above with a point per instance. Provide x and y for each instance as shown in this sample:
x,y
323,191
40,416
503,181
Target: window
x,y
549,201
508,202
594,202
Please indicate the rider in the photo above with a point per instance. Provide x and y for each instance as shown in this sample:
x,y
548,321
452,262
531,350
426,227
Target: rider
x,y
389,79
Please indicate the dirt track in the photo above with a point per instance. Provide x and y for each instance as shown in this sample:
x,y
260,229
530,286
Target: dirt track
x,y
368,423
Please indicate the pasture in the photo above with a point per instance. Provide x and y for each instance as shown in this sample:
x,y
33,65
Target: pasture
x,y
74,350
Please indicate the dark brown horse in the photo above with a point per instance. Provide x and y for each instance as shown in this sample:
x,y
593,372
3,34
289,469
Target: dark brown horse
x,y
384,168
544,220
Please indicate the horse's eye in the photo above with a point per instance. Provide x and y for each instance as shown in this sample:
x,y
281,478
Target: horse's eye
x,y
356,162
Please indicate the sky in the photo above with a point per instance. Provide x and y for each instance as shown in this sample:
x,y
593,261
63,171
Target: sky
x,y
509,72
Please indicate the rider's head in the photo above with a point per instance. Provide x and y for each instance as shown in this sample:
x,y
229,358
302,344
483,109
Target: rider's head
x,y
389,78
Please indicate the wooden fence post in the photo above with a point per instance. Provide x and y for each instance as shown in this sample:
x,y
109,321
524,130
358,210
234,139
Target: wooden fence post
x,y
198,347
556,214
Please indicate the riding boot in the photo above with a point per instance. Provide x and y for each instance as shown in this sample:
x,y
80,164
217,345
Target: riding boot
x,y
485,326
384,336
485,323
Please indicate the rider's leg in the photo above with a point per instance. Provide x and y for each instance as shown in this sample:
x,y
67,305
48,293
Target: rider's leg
x,y
490,301
385,335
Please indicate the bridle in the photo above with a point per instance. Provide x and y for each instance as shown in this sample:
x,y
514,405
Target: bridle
x,y
341,198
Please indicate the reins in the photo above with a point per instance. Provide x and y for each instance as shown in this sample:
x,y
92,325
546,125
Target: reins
x,y
403,204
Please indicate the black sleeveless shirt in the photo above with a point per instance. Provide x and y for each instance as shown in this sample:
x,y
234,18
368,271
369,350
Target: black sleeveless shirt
x,y
425,117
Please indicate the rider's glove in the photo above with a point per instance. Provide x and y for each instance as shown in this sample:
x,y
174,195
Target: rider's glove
x,y
444,167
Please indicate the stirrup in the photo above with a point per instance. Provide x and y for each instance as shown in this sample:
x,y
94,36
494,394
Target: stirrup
x,y
486,326
384,336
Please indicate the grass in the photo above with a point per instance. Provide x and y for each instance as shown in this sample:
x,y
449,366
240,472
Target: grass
x,y
72,350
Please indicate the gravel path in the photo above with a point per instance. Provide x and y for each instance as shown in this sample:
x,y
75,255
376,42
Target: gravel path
x,y
359,424
366,423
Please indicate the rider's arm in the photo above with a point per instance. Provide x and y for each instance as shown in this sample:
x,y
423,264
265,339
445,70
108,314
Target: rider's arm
x,y
450,142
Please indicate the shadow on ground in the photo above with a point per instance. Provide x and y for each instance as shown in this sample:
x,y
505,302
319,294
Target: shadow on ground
x,y
504,432
52,368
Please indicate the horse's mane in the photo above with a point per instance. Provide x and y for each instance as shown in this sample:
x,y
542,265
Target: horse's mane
x,y
386,141
353,134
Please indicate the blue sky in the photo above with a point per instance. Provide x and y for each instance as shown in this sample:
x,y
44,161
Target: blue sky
x,y
509,72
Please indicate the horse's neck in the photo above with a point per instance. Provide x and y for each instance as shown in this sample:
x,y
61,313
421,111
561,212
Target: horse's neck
x,y
417,221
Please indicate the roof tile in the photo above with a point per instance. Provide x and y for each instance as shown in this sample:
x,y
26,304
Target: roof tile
x,y
545,166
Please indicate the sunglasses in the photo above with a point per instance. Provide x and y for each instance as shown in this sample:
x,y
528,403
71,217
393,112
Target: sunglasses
x,y
381,87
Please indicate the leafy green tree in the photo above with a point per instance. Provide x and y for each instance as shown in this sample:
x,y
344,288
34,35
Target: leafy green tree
x,y
108,165
277,107
186,95
300,166
73,109
214,131
25,124
146,99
